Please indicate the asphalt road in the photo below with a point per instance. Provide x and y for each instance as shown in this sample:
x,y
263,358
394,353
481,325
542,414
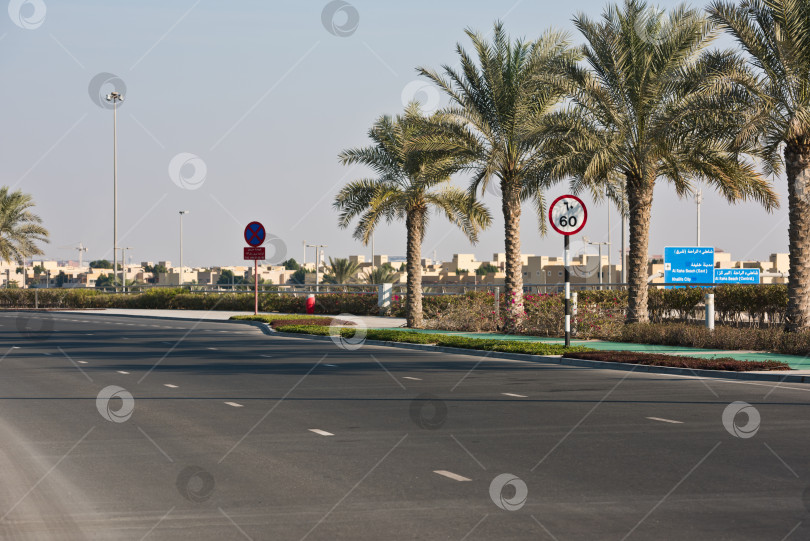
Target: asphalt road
x,y
218,431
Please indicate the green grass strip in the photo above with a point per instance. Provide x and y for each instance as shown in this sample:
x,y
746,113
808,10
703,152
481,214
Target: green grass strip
x,y
393,335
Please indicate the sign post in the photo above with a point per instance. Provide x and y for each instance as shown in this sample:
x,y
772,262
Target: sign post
x,y
568,215
254,236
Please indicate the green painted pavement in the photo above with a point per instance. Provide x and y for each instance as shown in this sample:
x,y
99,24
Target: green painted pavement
x,y
796,362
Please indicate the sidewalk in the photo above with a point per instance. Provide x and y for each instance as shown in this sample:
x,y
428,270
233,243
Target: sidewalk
x,y
796,362
375,322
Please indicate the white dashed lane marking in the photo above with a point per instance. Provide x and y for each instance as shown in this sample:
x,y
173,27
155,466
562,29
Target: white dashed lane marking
x,y
82,362
665,420
321,432
170,386
413,379
451,475
515,395
234,404
122,372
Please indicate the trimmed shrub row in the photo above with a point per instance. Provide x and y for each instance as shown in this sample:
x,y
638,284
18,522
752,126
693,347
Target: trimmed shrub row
x,y
656,359
471,311
728,338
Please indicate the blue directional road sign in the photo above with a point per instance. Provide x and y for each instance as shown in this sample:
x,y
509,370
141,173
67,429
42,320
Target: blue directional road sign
x,y
688,265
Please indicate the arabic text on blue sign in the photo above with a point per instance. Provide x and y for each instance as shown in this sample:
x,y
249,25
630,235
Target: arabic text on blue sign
x,y
736,276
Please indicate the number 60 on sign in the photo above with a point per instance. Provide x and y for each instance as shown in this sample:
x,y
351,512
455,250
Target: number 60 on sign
x,y
567,215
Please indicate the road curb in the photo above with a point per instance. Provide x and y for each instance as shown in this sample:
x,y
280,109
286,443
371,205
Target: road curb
x,y
564,361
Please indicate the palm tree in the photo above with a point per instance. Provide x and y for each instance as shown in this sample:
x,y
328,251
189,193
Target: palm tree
x,y
776,36
342,270
383,275
653,105
409,183
495,97
20,229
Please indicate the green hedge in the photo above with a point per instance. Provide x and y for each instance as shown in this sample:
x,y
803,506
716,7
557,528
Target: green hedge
x,y
722,338
599,311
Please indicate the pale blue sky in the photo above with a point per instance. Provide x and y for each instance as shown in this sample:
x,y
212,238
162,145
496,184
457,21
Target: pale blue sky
x,y
266,97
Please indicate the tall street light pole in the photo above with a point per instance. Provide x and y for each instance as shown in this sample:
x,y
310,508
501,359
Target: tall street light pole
x,y
124,266
115,98
182,274
317,262
599,244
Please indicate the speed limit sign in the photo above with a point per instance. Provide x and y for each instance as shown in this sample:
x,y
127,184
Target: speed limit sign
x,y
568,215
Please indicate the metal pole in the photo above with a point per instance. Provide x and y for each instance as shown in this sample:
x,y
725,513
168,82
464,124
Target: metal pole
x,y
710,311
372,252
600,264
574,309
115,190
317,266
255,287
181,248
567,262
698,200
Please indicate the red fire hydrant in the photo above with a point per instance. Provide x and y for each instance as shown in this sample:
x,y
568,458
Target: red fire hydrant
x,y
311,304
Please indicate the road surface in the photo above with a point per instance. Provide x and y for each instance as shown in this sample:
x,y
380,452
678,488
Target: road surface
x,y
132,428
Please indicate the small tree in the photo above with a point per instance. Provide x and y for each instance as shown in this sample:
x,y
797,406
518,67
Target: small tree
x,y
291,264
341,270
380,275
486,268
227,277
299,276
20,228
105,280
101,264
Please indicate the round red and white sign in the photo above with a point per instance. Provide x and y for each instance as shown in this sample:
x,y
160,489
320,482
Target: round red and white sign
x,y
568,215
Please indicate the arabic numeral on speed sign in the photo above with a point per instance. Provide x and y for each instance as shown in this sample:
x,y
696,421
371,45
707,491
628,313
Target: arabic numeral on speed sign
x,y
568,215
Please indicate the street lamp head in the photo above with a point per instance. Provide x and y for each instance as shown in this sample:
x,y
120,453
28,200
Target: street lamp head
x,y
114,96
586,240
184,212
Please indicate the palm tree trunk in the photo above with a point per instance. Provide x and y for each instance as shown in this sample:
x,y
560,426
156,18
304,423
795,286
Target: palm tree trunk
x,y
639,199
513,283
414,223
797,161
